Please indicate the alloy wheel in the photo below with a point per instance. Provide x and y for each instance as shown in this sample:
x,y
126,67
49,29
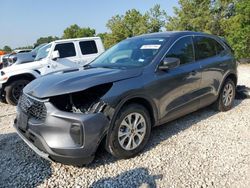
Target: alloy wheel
x,y
228,93
132,131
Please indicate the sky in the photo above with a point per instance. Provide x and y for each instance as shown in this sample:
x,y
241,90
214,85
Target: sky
x,y
22,22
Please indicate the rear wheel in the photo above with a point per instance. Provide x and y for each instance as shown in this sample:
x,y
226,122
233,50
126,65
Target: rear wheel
x,y
14,90
131,131
226,97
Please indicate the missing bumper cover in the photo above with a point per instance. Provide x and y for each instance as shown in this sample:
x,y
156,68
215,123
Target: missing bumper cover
x,y
87,101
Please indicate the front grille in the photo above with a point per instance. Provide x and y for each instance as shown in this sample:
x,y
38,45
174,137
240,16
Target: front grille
x,y
32,107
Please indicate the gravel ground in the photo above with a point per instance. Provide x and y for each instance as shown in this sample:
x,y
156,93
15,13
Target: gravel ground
x,y
203,149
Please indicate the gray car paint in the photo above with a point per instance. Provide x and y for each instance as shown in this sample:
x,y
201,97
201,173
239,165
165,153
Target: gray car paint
x,y
52,85
170,94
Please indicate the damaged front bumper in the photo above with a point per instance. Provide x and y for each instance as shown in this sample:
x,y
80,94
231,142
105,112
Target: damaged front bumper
x,y
69,138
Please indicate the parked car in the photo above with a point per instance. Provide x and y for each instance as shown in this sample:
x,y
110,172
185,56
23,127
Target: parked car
x,y
24,57
53,57
137,84
22,50
5,58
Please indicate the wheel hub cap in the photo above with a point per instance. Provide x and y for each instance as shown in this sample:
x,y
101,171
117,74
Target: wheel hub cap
x,y
227,96
132,131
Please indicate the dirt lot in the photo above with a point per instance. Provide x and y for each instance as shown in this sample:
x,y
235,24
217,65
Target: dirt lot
x,y
203,149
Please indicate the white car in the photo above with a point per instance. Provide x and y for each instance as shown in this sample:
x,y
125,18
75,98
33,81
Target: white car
x,y
56,56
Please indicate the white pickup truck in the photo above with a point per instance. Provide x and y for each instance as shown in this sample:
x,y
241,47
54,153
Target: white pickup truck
x,y
56,56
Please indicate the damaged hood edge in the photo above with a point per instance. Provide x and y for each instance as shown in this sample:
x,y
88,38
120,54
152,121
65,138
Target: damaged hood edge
x,y
65,83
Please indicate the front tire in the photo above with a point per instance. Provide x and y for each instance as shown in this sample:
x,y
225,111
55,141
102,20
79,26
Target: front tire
x,y
14,90
226,97
131,131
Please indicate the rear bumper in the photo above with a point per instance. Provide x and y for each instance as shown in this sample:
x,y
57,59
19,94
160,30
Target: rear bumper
x,y
64,137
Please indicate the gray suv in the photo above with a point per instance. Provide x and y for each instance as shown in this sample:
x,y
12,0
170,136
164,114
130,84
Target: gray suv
x,y
137,84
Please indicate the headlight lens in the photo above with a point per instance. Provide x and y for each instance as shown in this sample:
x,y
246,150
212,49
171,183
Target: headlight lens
x,y
12,60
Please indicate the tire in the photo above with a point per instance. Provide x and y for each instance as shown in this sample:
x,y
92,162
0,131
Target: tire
x,y
115,140
221,104
14,90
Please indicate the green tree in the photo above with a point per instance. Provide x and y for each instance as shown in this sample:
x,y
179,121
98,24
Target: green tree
x,y
123,26
7,49
43,40
74,31
156,19
227,18
105,39
237,29
191,15
134,23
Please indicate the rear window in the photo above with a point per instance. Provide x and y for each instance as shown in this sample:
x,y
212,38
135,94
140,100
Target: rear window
x,y
66,50
204,48
88,47
218,47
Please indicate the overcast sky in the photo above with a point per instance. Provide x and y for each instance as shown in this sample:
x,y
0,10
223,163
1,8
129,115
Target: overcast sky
x,y
24,21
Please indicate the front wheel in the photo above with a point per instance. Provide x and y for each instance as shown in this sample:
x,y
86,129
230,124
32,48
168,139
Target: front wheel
x,y
131,131
14,90
226,96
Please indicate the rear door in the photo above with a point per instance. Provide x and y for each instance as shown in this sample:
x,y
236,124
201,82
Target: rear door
x,y
213,59
179,87
88,51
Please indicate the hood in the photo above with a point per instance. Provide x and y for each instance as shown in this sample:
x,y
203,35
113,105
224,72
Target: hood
x,y
21,67
59,84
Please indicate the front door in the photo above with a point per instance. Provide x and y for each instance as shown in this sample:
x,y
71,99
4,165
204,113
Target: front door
x,y
179,87
68,56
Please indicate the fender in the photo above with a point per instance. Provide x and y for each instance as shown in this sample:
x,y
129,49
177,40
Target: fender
x,y
17,70
229,72
131,97
10,76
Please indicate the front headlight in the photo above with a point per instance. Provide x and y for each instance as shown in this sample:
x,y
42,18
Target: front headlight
x,y
12,60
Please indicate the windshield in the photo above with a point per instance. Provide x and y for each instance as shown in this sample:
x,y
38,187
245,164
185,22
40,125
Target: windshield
x,y
35,50
43,52
130,53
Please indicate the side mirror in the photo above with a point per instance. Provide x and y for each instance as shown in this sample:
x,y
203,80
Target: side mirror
x,y
55,55
169,63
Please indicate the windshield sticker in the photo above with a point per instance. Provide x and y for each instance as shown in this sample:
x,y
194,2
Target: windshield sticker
x,y
151,46
48,49
141,60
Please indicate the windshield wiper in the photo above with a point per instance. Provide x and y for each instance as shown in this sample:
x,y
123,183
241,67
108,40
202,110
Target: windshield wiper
x,y
88,66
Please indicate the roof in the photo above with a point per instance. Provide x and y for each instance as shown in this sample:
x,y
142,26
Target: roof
x,y
172,34
76,39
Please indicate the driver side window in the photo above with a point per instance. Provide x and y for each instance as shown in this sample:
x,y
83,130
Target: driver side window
x,y
183,49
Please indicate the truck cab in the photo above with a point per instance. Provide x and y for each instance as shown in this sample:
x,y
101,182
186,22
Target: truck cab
x,y
56,56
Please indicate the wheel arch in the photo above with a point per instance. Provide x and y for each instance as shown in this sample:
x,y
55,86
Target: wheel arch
x,y
137,99
26,76
232,76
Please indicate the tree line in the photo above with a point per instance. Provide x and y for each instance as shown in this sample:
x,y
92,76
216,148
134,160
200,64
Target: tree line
x,y
226,18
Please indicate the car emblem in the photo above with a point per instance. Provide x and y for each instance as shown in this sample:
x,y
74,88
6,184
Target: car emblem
x,y
28,103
